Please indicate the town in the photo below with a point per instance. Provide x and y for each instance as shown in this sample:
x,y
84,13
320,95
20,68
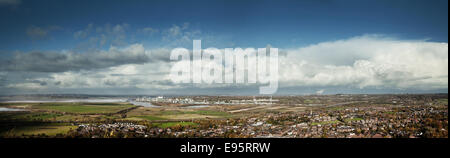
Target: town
x,y
311,116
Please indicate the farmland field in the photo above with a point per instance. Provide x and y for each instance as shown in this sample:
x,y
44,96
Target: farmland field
x,y
41,118
83,108
35,130
334,117
172,124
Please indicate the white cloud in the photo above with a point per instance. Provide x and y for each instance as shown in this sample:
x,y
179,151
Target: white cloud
x,y
181,35
26,86
80,34
148,75
368,61
320,91
99,36
358,63
36,32
148,31
40,32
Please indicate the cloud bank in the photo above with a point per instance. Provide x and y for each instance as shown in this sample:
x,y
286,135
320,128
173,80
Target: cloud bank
x,y
364,62
73,61
368,61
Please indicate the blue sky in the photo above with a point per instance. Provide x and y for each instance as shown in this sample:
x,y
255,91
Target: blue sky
x,y
326,46
248,23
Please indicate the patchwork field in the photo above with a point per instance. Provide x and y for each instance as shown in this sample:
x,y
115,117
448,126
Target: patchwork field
x,y
40,118
172,124
52,129
317,116
155,114
83,108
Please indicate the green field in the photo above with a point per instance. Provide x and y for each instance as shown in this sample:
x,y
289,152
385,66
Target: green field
x,y
39,116
199,112
443,101
49,130
325,122
150,118
390,112
308,101
83,108
37,121
353,119
141,114
172,124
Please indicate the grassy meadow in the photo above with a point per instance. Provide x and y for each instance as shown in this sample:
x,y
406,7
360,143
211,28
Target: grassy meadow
x,y
51,119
